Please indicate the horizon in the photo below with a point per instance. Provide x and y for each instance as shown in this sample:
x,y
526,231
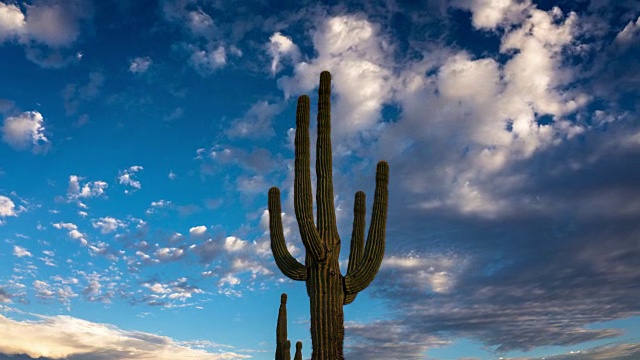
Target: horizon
x,y
139,141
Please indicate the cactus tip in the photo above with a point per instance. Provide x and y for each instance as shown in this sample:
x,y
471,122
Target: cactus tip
x,y
283,298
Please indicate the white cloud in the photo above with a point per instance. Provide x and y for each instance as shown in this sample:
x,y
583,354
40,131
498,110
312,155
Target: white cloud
x,y
140,65
60,292
488,14
488,112
25,132
359,56
234,244
12,21
197,230
7,207
107,224
240,265
157,205
73,232
169,254
126,177
19,251
158,288
90,189
66,337
281,47
230,280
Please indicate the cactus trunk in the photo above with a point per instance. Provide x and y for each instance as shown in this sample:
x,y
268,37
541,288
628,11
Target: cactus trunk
x,y
327,315
327,288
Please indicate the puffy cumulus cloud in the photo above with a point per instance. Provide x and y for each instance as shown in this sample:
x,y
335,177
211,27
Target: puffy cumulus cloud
x,y
140,65
488,14
107,224
25,132
7,207
209,45
19,251
234,244
482,116
12,21
355,51
160,204
198,230
73,231
255,267
127,178
76,190
281,47
98,287
61,292
256,122
68,337
168,254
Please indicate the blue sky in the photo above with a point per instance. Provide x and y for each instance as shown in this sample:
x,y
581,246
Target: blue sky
x,y
139,139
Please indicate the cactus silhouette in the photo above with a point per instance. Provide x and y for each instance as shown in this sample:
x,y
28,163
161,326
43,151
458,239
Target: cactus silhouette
x,y
283,346
327,288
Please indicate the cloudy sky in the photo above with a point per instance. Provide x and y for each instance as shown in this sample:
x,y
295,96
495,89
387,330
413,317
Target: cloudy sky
x,y
139,139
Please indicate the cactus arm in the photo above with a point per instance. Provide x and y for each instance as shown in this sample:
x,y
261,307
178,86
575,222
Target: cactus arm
x,y
298,355
374,249
289,266
327,226
303,197
357,238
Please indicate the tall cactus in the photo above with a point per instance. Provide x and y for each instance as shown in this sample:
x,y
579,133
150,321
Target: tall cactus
x,y
283,346
327,288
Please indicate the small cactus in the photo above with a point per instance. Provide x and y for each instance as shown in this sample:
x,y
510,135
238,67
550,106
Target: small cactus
x,y
283,346
298,355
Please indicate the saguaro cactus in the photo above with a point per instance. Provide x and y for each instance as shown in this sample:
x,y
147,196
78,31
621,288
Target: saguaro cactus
x,y
327,288
283,346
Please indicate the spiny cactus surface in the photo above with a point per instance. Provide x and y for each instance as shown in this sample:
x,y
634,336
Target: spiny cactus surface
x,y
327,288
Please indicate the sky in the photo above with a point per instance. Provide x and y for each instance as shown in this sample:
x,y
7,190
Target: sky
x,y
138,140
